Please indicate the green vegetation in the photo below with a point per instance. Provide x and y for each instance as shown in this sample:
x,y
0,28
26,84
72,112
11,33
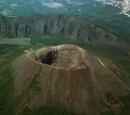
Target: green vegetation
x,y
48,110
126,102
114,54
106,17
50,40
6,78
4,48
108,113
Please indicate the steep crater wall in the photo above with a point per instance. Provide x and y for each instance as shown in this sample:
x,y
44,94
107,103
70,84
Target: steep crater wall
x,y
63,56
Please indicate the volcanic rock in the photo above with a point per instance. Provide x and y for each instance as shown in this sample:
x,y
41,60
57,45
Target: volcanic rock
x,y
68,76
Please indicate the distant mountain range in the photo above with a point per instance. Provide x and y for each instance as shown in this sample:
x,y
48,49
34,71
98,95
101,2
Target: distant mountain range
x,y
112,15
60,26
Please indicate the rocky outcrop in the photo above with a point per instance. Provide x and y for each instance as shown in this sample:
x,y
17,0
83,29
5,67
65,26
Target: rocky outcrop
x,y
60,26
18,27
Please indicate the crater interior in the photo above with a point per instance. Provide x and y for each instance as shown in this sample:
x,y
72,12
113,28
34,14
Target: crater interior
x,y
63,56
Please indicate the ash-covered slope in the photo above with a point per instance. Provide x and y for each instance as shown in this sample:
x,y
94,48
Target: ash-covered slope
x,y
60,26
67,76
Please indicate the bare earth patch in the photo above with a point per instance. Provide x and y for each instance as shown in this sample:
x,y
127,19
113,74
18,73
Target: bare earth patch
x,y
15,41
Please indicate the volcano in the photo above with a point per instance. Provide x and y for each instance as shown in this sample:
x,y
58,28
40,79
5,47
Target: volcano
x,y
71,77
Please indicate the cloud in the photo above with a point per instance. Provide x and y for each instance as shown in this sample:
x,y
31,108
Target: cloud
x,y
76,3
14,5
124,5
53,5
5,12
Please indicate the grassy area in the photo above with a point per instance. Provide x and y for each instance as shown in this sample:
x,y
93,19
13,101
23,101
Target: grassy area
x,y
114,54
126,102
47,111
108,113
49,40
6,78
4,48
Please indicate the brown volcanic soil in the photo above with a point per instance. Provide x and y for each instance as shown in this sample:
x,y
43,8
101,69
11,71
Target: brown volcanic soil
x,y
69,77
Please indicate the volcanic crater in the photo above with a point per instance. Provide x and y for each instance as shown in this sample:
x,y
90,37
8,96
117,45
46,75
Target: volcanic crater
x,y
63,56
68,76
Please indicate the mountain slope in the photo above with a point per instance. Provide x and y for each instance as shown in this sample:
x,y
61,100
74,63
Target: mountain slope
x,y
60,26
84,84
